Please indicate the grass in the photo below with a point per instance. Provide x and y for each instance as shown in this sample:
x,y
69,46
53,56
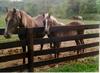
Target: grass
x,y
90,64
13,38
2,21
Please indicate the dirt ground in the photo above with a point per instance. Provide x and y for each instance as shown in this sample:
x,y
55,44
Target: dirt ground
x,y
42,58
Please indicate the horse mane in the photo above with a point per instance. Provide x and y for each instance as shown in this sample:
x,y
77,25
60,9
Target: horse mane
x,y
27,20
39,20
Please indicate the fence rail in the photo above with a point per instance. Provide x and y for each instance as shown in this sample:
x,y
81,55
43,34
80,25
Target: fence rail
x,y
56,29
31,53
48,51
53,61
49,40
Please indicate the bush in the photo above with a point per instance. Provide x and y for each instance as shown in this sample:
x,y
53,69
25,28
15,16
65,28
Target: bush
x,y
91,17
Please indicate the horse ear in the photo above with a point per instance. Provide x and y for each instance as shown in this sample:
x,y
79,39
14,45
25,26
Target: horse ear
x,y
43,15
6,9
14,10
49,15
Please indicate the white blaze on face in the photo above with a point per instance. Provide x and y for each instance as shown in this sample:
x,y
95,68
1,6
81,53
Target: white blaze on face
x,y
46,24
46,21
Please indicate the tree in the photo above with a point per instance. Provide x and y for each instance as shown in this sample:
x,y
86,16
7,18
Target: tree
x,y
73,7
98,6
88,6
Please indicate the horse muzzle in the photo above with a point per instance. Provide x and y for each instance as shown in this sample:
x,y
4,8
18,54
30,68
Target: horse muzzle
x,y
46,32
7,36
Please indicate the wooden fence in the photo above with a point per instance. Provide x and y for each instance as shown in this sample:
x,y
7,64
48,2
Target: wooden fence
x,y
31,53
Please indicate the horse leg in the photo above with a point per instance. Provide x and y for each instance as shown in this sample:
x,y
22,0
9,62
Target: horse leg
x,y
78,43
54,43
41,47
51,46
82,42
57,45
23,41
24,50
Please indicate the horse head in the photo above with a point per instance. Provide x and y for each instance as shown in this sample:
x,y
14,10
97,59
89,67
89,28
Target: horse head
x,y
49,21
12,20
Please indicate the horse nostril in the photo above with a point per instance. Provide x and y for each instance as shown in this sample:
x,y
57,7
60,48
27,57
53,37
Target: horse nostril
x,y
7,36
45,32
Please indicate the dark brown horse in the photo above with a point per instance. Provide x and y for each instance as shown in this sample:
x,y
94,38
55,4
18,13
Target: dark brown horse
x,y
51,21
17,19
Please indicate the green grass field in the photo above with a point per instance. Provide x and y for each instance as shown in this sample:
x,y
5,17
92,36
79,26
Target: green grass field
x,y
88,65
2,21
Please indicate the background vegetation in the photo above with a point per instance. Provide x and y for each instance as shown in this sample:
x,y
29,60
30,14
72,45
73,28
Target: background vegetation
x,y
89,9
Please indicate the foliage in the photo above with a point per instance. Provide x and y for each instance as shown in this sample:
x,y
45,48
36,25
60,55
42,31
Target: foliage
x,y
2,21
98,6
89,9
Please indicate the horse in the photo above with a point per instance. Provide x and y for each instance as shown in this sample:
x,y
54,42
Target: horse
x,y
51,21
16,19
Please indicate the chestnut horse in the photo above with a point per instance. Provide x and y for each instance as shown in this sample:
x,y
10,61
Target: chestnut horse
x,y
17,19
51,21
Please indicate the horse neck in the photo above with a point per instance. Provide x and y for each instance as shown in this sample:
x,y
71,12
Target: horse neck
x,y
27,20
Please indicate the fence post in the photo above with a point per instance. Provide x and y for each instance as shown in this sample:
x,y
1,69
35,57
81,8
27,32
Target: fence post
x,y
30,49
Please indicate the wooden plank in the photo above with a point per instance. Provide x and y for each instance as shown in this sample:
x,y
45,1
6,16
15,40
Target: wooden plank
x,y
65,38
57,29
38,30
48,51
12,57
65,49
68,58
38,64
67,28
14,69
48,40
